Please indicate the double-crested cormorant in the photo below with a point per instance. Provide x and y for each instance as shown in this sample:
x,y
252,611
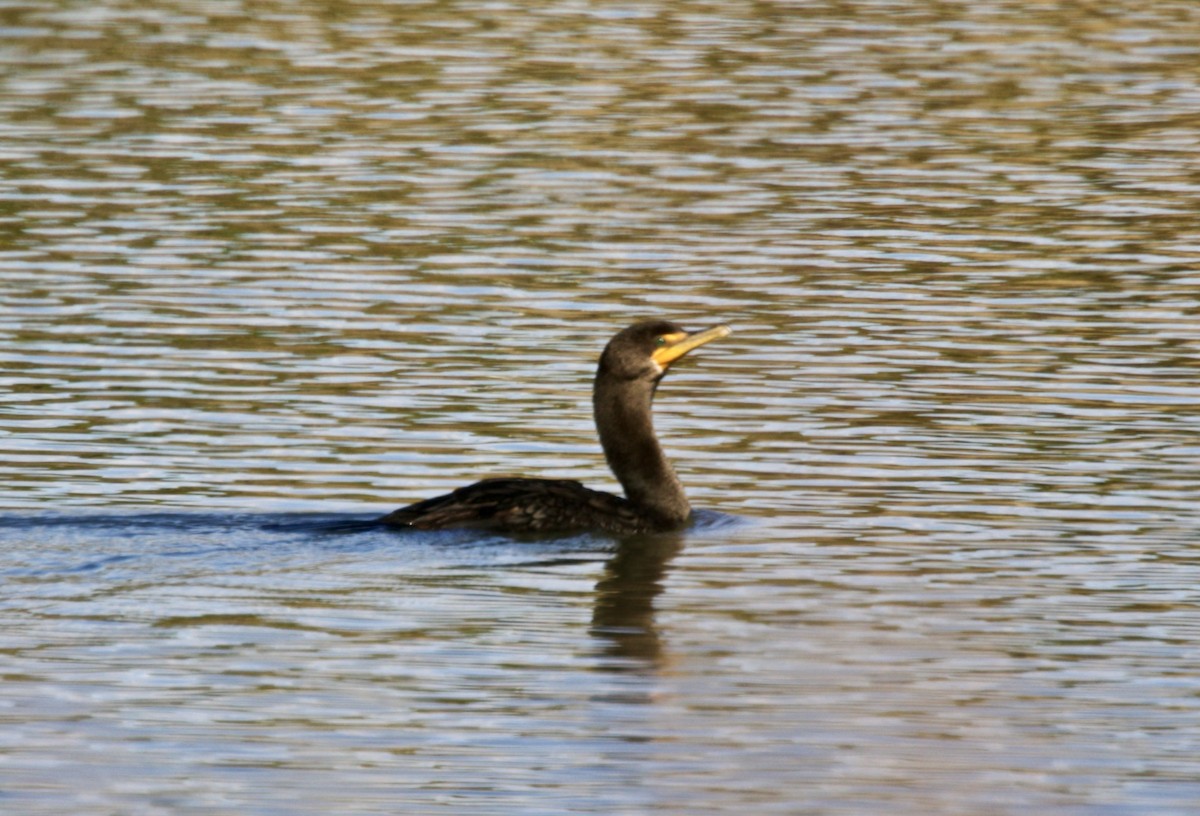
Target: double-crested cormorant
x,y
632,365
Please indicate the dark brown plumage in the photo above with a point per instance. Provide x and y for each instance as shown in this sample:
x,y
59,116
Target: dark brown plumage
x,y
630,368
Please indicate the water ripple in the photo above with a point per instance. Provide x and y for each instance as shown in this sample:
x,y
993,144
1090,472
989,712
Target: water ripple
x,y
291,259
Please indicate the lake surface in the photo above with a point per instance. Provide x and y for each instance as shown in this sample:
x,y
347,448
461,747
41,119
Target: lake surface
x,y
269,269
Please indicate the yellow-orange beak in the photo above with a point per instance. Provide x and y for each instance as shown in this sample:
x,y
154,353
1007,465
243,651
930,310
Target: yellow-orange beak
x,y
680,344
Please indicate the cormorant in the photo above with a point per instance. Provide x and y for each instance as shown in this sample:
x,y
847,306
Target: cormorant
x,y
632,365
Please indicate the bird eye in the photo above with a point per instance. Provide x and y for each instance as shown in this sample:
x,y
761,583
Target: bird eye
x,y
662,341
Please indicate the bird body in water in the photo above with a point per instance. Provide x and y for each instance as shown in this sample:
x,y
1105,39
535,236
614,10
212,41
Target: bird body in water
x,y
632,365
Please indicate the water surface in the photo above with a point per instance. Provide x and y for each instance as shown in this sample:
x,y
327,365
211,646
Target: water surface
x,y
270,267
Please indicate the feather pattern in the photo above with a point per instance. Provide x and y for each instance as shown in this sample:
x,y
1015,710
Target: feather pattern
x,y
524,505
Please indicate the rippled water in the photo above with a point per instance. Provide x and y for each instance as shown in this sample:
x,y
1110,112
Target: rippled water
x,y
268,268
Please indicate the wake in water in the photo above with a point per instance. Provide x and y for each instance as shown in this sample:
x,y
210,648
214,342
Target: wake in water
x,y
144,543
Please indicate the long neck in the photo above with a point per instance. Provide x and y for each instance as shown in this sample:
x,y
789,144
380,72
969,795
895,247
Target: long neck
x,y
626,428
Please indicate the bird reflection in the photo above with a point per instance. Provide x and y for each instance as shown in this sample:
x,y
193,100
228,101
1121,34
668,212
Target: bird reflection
x,y
623,618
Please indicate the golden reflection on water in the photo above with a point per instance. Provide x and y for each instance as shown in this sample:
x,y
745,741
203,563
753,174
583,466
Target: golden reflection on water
x,y
293,258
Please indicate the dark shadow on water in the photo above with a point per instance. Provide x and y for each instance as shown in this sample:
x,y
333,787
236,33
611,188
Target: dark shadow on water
x,y
171,544
623,617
